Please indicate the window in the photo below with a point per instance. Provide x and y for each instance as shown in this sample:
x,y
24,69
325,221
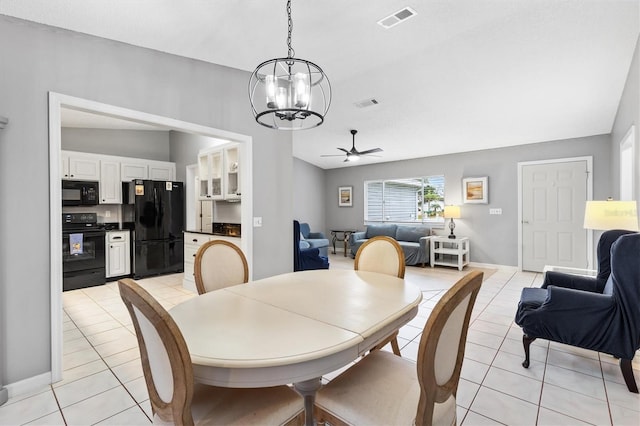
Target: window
x,y
412,200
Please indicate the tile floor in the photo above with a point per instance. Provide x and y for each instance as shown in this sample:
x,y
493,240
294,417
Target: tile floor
x,y
103,381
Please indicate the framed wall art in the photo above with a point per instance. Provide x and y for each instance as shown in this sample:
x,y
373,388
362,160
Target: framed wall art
x,y
475,190
345,196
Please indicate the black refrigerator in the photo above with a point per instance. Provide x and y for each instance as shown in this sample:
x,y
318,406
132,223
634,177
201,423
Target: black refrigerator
x,y
157,211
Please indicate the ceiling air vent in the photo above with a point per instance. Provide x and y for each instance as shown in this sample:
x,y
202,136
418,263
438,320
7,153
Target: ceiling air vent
x,y
397,17
367,103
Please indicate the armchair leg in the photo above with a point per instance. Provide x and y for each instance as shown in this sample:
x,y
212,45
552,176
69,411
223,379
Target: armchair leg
x,y
526,342
627,373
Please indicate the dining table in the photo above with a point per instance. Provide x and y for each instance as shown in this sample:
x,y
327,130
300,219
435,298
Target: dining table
x,y
292,328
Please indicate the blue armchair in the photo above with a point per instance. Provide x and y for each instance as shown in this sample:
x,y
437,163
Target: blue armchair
x,y
314,240
306,258
607,322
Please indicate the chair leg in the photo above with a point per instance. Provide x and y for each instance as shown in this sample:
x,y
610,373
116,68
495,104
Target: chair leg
x,y
395,347
526,342
627,373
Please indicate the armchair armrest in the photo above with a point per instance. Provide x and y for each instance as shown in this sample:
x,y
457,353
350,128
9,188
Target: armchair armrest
x,y
572,300
316,235
425,245
355,236
570,281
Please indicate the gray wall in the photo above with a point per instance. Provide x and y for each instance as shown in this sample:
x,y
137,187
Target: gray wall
x,y
309,197
494,239
628,114
147,144
184,148
40,59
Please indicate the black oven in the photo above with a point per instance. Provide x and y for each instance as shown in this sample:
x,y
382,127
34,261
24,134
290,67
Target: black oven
x,y
83,251
79,193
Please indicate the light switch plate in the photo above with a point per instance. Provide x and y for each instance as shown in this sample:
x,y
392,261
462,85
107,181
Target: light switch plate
x,y
495,211
257,222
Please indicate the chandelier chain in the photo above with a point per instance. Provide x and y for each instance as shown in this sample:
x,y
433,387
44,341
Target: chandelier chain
x,y
291,52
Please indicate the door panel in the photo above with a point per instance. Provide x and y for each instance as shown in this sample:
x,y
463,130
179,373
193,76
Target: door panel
x,y
553,200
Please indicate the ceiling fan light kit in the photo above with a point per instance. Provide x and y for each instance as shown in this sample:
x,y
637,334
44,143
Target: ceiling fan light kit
x,y
289,93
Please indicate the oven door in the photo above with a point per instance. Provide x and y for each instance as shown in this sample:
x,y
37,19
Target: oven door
x,y
83,250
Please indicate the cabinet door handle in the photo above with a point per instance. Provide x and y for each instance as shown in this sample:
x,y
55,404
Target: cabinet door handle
x,y
195,240
117,238
194,255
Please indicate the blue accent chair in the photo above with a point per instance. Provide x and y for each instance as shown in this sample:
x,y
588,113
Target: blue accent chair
x,y
577,315
314,240
305,258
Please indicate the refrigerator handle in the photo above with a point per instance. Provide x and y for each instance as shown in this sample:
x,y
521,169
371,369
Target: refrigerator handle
x,y
156,206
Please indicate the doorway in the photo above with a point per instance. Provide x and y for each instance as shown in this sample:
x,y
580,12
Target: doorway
x,y
58,102
551,199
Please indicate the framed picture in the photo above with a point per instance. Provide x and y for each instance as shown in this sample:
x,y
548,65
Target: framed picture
x,y
475,190
345,194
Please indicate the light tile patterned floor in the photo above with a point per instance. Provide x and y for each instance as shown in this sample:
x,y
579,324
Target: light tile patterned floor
x,y
103,381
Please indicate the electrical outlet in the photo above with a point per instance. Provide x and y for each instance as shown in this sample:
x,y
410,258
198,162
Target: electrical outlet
x,y
107,213
257,222
495,211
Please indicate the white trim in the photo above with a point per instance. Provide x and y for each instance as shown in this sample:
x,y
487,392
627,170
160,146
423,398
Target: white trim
x,y
521,164
30,385
628,142
58,101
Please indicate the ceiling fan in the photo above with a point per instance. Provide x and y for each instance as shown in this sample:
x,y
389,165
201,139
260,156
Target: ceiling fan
x,y
353,154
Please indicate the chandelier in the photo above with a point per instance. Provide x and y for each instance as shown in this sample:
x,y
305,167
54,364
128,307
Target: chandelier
x,y
289,93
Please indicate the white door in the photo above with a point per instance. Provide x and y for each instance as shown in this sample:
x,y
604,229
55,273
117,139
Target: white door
x,y
553,200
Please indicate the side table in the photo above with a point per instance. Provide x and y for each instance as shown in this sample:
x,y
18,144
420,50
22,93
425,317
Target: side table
x,y
447,251
345,239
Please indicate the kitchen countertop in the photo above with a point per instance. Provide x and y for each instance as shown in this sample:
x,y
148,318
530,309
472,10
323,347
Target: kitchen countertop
x,y
212,233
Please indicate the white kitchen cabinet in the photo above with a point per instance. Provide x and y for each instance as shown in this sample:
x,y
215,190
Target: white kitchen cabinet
x,y
78,166
219,173
210,172
110,184
133,169
162,171
192,242
232,173
118,254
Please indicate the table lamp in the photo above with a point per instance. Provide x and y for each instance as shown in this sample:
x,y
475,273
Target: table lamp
x,y
452,212
610,214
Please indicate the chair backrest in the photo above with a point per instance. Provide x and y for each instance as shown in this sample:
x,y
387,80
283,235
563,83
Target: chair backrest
x,y
604,255
305,229
380,254
219,264
166,362
441,350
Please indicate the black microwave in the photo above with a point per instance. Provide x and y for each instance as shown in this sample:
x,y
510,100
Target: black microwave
x,y
79,193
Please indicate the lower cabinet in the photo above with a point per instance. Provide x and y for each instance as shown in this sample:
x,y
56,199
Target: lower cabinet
x,y
192,242
118,253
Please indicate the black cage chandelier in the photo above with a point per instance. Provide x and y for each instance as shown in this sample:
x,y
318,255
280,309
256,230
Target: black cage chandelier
x,y
289,93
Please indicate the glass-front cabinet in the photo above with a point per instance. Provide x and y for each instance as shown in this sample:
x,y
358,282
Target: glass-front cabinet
x,y
232,170
219,173
210,172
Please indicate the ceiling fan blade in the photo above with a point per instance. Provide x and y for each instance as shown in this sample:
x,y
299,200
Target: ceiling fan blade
x,y
370,151
344,150
332,155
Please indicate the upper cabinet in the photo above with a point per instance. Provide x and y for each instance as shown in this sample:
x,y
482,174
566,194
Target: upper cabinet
x,y
111,171
79,166
219,173
232,173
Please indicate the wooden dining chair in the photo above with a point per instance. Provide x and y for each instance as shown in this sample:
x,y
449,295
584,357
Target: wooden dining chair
x,y
168,373
384,389
384,255
219,264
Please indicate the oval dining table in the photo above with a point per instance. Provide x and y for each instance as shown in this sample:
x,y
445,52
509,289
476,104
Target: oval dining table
x,y
292,328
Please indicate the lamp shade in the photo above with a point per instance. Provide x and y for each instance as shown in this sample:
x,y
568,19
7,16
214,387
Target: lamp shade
x,y
605,215
452,212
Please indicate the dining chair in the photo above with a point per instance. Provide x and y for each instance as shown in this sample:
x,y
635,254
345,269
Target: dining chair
x,y
168,374
384,389
219,264
384,255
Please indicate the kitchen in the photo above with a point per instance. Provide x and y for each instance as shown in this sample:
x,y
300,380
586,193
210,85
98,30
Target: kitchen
x,y
139,218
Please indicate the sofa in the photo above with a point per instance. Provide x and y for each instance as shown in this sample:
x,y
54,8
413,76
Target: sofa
x,y
414,240
310,239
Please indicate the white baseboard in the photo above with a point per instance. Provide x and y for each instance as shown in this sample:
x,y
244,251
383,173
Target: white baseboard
x,y
29,385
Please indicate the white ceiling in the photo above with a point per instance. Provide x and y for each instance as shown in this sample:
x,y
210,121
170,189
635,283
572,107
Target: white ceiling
x,y
461,75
